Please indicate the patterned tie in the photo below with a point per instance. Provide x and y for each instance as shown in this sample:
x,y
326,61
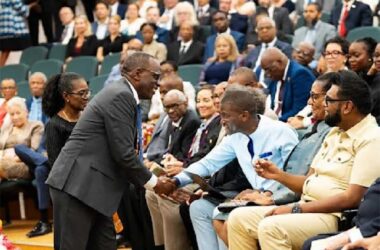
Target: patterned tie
x,y
280,97
139,132
342,22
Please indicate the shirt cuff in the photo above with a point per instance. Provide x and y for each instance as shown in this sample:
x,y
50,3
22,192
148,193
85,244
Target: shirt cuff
x,y
306,122
355,235
151,183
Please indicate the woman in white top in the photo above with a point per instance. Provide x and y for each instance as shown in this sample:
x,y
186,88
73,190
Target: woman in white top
x,y
132,22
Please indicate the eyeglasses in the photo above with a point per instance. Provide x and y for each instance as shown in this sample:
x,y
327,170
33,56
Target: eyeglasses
x,y
155,75
314,96
304,53
83,93
333,54
330,100
8,88
172,106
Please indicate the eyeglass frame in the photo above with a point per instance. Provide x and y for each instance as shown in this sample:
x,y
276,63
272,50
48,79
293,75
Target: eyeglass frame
x,y
315,96
299,51
328,100
174,106
333,54
84,94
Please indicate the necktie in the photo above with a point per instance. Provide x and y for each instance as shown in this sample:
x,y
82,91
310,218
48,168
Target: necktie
x,y
250,147
139,132
342,24
64,33
280,97
183,50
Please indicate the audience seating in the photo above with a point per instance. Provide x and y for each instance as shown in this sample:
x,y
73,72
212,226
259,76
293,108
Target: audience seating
x,y
362,32
31,55
49,67
23,89
97,83
57,51
190,73
18,72
108,62
86,66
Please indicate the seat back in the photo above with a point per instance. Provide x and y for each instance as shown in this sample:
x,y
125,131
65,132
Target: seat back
x,y
49,67
57,51
190,73
108,62
31,55
97,83
18,72
86,66
23,89
362,32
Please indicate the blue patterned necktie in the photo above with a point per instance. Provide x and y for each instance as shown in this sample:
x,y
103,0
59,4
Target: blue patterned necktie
x,y
139,132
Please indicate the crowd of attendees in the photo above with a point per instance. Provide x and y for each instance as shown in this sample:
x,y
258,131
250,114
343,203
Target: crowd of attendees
x,y
286,116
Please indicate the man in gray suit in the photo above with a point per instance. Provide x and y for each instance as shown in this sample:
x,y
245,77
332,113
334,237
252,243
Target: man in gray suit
x,y
315,32
89,176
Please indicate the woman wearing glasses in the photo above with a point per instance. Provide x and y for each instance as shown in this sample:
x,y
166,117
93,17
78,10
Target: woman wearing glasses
x,y
334,57
65,97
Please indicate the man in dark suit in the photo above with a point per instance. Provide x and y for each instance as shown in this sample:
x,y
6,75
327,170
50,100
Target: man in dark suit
x,y
205,12
288,83
220,21
100,157
267,35
186,51
100,25
348,15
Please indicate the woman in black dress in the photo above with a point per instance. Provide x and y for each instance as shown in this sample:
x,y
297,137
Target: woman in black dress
x,y
65,96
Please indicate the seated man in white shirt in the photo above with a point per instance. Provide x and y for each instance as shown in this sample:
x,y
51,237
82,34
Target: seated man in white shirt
x,y
66,15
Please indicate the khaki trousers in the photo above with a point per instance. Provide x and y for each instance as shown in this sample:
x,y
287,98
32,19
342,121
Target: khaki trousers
x,y
247,227
168,227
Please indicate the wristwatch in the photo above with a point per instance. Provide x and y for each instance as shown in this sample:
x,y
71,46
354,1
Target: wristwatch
x,y
296,209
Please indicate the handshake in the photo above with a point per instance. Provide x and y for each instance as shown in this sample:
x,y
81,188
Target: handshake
x,y
165,186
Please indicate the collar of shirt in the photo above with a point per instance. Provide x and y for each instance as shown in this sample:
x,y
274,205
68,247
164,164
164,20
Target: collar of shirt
x,y
176,124
186,44
103,23
271,44
114,8
228,31
205,8
317,24
37,99
271,11
358,130
286,71
134,92
348,4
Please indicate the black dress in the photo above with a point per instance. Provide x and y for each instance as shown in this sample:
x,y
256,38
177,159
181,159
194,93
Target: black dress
x,y
57,131
114,46
89,47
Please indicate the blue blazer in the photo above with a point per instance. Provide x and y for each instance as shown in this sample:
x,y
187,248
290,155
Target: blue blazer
x,y
298,83
250,60
29,105
121,9
359,15
210,44
94,27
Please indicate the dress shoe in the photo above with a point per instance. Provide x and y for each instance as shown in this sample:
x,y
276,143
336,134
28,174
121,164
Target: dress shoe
x,y
41,228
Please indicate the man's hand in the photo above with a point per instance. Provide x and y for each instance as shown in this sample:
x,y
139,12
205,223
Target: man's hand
x,y
267,169
262,199
337,241
181,195
164,186
372,243
296,122
244,193
279,210
173,171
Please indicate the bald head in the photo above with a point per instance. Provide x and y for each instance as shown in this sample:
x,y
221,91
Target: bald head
x,y
243,76
304,53
169,83
273,62
135,44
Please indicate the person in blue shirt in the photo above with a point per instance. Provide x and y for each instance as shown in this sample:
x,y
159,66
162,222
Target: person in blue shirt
x,y
249,136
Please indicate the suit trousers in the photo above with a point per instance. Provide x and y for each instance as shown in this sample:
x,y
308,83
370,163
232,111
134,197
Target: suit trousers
x,y
78,226
247,227
168,228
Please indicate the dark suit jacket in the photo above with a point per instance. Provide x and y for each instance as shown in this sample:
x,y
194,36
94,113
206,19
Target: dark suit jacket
x,y
250,60
29,105
121,9
239,22
298,83
99,156
182,137
359,15
207,142
210,44
199,34
368,217
158,144
206,18
193,54
89,47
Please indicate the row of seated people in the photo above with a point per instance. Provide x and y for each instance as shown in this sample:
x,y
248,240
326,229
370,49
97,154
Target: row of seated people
x,y
34,130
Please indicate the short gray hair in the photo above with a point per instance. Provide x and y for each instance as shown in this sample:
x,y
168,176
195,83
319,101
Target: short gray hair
x,y
39,74
176,93
17,101
245,99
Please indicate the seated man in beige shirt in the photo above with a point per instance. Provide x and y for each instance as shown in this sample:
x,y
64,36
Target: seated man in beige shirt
x,y
341,172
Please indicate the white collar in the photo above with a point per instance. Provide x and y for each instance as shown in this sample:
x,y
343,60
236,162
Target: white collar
x,y
205,7
134,92
187,44
228,31
349,3
176,124
271,44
